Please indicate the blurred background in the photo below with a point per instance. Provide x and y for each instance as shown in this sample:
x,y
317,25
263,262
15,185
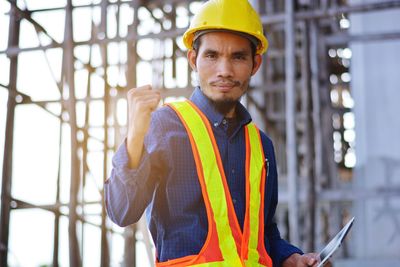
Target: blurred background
x,y
328,95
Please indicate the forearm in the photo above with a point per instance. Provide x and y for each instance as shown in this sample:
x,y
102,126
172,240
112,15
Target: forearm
x,y
280,248
125,202
128,191
135,146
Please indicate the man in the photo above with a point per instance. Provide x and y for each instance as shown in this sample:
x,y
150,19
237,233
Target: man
x,y
205,173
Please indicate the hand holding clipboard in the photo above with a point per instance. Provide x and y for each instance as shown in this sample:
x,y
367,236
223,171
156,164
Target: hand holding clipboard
x,y
329,249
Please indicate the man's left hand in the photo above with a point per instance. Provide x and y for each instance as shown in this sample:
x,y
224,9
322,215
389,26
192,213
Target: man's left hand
x,y
305,260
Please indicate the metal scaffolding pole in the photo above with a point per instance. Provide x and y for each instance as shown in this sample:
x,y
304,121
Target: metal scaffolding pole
x,y
297,109
131,79
68,61
316,121
13,40
57,213
291,149
105,257
306,169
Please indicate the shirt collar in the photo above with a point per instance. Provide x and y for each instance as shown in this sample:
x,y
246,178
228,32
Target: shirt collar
x,y
216,118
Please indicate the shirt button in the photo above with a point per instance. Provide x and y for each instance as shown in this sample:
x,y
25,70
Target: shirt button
x,y
215,124
223,121
234,201
233,170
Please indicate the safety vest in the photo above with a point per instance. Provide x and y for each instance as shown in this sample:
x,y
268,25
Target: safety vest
x,y
226,245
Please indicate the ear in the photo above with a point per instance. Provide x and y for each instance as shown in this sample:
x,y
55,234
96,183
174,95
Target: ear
x,y
192,56
257,64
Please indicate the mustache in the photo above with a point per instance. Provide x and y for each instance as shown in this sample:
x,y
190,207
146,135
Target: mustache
x,y
224,82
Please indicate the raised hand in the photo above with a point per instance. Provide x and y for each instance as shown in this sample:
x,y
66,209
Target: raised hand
x,y
142,101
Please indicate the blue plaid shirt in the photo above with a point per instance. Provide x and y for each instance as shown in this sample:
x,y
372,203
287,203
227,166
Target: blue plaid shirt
x,y
166,184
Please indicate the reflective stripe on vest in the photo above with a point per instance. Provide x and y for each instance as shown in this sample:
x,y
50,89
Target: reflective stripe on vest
x,y
225,243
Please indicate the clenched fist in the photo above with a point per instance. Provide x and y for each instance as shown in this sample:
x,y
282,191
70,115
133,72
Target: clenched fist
x,y
142,101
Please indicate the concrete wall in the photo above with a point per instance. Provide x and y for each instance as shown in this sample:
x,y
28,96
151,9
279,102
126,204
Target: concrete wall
x,y
375,86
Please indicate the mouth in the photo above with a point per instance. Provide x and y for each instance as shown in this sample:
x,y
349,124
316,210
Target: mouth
x,y
224,86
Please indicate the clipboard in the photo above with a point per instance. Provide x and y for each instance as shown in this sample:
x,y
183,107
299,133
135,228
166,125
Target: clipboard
x,y
332,246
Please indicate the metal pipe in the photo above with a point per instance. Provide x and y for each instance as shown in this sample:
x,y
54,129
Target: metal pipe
x,y
331,12
74,253
105,256
307,141
130,38
344,39
131,79
266,20
57,213
290,97
13,40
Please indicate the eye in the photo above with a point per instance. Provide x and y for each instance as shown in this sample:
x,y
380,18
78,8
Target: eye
x,y
211,55
239,57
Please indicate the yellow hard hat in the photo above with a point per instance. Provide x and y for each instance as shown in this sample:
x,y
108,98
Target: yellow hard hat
x,y
231,15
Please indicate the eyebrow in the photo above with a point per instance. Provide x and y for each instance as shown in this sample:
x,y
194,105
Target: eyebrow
x,y
210,51
241,53
236,53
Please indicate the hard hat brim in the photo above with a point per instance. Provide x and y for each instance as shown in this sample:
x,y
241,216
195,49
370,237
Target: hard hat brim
x,y
190,35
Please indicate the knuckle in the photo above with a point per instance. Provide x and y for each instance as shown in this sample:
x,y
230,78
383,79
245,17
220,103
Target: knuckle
x,y
131,91
144,87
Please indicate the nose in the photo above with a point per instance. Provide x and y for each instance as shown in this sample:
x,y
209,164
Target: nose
x,y
224,68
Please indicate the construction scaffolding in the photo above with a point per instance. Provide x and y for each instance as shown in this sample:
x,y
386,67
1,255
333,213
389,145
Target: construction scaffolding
x,y
92,52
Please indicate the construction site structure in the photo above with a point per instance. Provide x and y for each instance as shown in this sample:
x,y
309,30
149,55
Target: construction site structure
x,y
326,94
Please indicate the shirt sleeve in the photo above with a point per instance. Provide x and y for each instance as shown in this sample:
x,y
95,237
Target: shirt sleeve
x,y
128,191
280,249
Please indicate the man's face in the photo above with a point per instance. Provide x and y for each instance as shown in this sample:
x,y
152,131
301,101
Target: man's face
x,y
224,64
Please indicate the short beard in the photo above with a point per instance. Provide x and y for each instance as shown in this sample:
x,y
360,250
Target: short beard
x,y
223,106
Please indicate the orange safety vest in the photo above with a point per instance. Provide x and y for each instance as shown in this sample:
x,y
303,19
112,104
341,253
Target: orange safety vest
x,y
226,245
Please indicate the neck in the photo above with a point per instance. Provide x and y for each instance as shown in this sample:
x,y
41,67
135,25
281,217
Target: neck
x,y
226,107
231,114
